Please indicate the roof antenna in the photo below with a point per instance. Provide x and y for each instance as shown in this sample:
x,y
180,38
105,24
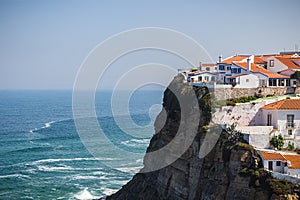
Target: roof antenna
x,y
296,48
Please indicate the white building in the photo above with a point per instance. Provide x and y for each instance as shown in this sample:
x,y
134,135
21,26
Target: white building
x,y
202,77
244,81
284,116
281,162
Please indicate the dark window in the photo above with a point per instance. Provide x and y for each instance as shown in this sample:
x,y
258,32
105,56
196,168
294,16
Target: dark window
x,y
290,121
269,120
199,78
278,163
207,69
221,67
290,132
228,68
288,82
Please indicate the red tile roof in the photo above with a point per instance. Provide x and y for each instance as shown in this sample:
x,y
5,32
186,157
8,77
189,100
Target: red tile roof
x,y
285,104
288,62
255,68
208,64
294,159
231,59
271,156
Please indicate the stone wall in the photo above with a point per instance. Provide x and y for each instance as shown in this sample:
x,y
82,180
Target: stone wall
x,y
229,93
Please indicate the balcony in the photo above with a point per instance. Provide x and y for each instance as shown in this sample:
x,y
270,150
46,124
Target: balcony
x,y
290,125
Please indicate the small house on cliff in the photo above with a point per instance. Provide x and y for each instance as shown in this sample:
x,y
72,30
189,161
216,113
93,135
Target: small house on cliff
x,y
284,116
281,162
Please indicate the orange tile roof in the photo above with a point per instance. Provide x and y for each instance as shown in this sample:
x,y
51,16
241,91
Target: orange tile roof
x,y
208,64
271,156
285,104
288,62
259,60
294,159
255,68
231,59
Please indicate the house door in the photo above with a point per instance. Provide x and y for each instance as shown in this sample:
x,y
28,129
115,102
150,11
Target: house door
x,y
270,167
269,120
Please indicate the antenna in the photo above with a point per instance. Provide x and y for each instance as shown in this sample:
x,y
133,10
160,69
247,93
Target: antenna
x,y
296,48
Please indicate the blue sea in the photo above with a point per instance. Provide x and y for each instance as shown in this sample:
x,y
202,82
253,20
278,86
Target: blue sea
x,y
42,156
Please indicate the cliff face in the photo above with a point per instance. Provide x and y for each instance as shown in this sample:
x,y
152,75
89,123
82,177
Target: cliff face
x,y
227,172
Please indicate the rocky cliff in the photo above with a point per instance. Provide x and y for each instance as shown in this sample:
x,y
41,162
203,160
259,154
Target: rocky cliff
x,y
228,171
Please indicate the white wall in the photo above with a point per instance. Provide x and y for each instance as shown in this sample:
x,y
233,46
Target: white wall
x,y
253,81
282,120
275,168
203,75
278,66
264,118
293,172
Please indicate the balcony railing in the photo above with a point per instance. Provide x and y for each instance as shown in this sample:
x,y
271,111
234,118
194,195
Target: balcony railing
x,y
290,125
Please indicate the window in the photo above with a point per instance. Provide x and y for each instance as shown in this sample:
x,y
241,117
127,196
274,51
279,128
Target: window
x,y
288,82
290,121
199,78
290,132
271,63
269,120
247,80
228,68
207,69
278,163
206,78
212,78
221,67
272,82
281,82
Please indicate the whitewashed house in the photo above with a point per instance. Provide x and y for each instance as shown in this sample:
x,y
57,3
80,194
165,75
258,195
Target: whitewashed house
x,y
283,63
281,162
204,77
284,116
273,161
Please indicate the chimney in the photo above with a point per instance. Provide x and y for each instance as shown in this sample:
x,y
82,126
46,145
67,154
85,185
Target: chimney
x,y
220,58
248,64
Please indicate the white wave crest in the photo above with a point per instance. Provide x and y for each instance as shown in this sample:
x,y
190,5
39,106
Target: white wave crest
x,y
136,142
85,195
56,168
69,159
14,176
46,125
84,177
108,191
131,170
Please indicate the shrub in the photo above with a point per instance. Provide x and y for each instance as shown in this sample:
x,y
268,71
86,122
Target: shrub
x,y
291,146
277,142
279,186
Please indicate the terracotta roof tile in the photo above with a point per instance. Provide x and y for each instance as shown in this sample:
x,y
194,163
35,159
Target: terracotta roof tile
x,y
255,68
231,59
288,62
294,159
208,64
285,104
271,156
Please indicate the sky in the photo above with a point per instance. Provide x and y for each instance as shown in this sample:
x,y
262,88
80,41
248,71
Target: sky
x,y
44,43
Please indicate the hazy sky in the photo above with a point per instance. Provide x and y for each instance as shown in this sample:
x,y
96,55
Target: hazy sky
x,y
43,43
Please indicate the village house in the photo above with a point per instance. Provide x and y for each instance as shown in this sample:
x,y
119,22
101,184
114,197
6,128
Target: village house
x,y
280,162
284,116
248,71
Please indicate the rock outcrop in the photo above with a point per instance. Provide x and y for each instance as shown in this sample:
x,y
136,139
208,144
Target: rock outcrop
x,y
228,171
